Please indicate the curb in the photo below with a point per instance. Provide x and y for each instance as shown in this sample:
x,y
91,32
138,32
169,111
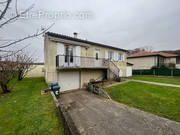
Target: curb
x,y
69,126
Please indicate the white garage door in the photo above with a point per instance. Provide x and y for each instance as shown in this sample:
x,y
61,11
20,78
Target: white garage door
x,y
68,80
129,71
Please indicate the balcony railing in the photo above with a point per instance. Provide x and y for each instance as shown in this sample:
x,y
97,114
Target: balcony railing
x,y
66,61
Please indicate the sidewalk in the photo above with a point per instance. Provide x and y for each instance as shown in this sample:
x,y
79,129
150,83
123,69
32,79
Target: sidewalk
x,y
155,83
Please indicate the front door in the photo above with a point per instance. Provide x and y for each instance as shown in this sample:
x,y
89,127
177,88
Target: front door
x,y
69,59
97,58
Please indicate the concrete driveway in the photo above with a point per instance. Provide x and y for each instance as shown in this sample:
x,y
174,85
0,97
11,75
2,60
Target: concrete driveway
x,y
88,114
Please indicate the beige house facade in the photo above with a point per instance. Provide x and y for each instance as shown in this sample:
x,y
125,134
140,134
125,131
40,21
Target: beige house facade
x,y
147,60
72,62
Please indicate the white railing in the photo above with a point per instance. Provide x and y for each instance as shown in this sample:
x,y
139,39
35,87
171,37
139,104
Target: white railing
x,y
65,61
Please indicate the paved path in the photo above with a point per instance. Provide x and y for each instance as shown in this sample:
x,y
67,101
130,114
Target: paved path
x,y
88,114
110,85
156,83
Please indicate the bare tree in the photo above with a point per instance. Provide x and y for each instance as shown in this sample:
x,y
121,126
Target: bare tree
x,y
4,7
24,65
141,49
8,71
9,66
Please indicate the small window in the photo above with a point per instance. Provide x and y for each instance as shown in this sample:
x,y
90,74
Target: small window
x,y
178,60
97,57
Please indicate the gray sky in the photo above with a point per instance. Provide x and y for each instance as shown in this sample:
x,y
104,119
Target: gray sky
x,y
126,24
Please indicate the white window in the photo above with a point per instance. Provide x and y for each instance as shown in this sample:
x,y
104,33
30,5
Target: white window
x,y
110,55
120,57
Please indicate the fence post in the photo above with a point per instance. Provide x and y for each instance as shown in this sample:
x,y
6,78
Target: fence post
x,y
154,72
172,72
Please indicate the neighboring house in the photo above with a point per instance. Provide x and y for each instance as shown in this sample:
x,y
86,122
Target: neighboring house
x,y
147,60
73,62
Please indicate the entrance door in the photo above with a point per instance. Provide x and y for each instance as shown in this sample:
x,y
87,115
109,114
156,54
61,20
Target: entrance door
x,y
69,59
97,59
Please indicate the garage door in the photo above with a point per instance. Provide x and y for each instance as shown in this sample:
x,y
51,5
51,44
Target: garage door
x,y
69,80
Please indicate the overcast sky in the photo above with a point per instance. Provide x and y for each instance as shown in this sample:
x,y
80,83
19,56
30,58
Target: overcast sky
x,y
126,24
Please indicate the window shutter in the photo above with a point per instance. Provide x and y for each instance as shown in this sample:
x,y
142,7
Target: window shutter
x,y
123,57
115,56
78,51
106,55
112,56
78,54
60,52
60,49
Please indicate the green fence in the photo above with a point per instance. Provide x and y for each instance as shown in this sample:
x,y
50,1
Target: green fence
x,y
158,72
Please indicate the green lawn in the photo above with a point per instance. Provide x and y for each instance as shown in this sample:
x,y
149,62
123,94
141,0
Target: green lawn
x,y
158,79
26,112
160,100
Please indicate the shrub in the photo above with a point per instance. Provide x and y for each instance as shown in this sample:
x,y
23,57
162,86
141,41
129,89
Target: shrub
x,y
118,79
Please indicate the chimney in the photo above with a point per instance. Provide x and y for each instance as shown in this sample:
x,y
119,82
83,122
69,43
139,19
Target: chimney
x,y
75,34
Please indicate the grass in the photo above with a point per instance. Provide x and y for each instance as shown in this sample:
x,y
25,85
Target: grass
x,y
160,100
168,80
25,111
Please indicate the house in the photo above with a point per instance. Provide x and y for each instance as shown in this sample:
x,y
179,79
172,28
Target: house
x,y
73,62
147,60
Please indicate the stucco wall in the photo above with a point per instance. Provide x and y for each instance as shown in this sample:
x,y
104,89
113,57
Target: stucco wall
x,y
178,66
37,71
170,60
86,75
50,52
142,62
122,66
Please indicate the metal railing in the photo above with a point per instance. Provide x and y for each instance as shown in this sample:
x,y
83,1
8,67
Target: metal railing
x,y
67,61
113,68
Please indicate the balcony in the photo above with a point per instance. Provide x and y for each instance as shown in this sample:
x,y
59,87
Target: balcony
x,y
79,62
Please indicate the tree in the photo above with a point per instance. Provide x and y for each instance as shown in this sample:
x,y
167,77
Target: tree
x,y
8,71
9,66
24,65
141,49
4,21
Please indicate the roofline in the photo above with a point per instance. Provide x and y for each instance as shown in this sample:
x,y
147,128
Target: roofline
x,y
82,41
152,56
129,64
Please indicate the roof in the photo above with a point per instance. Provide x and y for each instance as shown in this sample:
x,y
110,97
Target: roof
x,y
129,64
82,41
145,54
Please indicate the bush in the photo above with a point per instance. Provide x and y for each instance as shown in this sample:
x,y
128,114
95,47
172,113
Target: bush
x,y
118,79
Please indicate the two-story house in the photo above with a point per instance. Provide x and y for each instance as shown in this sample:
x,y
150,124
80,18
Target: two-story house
x,y
72,62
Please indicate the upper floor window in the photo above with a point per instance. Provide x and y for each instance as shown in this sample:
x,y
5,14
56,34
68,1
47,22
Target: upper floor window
x,y
178,60
110,55
120,57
